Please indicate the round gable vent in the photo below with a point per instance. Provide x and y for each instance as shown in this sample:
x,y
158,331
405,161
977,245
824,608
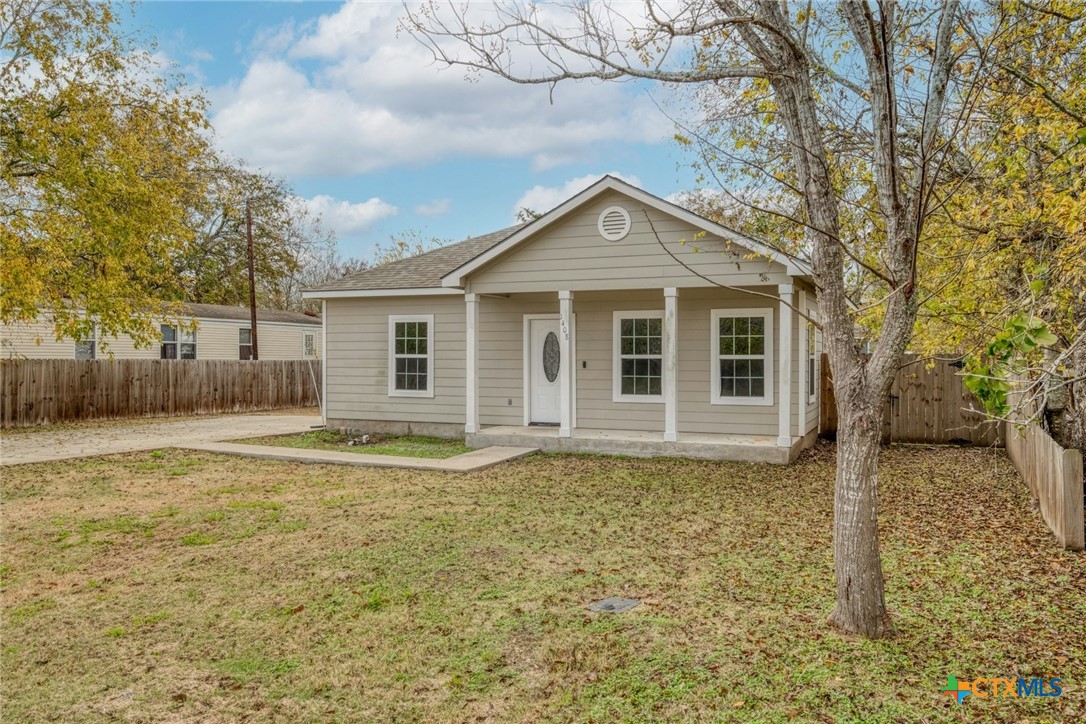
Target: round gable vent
x,y
614,223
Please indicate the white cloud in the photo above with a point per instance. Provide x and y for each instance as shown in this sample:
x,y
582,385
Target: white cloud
x,y
434,208
348,218
348,94
544,198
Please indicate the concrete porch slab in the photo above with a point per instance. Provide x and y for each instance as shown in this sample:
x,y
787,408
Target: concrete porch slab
x,y
643,443
466,462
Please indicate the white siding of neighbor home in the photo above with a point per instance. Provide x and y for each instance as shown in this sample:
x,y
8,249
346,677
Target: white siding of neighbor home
x,y
35,340
571,254
215,339
357,363
218,339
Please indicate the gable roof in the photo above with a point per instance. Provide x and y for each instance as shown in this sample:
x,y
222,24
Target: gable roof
x,y
423,271
227,311
443,270
455,278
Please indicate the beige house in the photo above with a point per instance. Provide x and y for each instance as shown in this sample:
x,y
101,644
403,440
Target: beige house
x,y
617,322
221,332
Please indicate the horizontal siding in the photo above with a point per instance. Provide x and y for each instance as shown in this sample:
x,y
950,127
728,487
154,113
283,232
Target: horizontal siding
x,y
501,354
595,362
572,255
357,360
34,340
215,339
696,413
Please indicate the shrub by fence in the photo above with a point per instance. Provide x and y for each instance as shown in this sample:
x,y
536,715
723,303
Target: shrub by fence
x,y
44,391
1054,476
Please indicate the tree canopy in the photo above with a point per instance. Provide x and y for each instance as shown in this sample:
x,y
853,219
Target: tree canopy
x,y
101,157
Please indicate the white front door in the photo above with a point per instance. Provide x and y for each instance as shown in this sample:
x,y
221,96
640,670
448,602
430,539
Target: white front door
x,y
544,396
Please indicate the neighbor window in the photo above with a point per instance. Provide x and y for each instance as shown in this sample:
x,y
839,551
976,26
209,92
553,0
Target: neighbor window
x,y
309,344
812,364
87,348
742,356
411,355
639,364
177,344
245,344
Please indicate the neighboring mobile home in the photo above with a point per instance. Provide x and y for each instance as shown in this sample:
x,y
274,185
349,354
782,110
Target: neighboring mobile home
x,y
617,322
222,332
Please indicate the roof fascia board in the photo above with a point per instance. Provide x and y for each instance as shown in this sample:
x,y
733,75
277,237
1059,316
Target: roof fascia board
x,y
404,292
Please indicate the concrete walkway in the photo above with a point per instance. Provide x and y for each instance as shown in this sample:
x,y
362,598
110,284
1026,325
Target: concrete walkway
x,y
90,440
466,462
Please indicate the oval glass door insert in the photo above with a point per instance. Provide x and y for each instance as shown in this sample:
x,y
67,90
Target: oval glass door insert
x,y
552,357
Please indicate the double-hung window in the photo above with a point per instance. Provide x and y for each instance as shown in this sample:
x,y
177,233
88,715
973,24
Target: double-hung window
x,y
309,344
638,351
177,344
741,341
87,348
411,355
245,344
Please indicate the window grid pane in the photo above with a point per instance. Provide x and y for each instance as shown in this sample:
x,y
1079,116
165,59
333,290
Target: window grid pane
x,y
741,351
411,350
640,347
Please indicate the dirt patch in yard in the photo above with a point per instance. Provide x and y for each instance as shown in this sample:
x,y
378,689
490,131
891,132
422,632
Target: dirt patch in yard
x,y
173,585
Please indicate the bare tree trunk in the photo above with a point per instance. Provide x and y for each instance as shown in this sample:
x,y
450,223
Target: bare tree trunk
x,y
861,602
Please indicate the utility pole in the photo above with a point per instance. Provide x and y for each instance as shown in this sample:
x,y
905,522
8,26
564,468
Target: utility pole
x,y
252,274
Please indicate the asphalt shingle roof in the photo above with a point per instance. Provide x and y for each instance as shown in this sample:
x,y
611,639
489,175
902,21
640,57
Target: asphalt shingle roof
x,y
422,271
227,311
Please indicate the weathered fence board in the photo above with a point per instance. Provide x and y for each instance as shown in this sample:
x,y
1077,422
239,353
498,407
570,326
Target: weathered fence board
x,y
45,391
1054,477
925,406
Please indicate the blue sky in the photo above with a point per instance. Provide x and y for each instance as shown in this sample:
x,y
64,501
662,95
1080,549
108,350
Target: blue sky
x,y
363,125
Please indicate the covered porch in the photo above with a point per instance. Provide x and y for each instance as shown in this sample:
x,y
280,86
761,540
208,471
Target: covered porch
x,y
642,443
579,405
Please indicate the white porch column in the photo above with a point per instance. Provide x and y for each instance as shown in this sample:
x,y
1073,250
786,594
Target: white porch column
x,y
671,364
802,393
784,368
324,361
567,366
471,382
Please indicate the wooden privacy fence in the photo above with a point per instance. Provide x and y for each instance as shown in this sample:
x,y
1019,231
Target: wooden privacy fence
x,y
925,406
1054,476
44,391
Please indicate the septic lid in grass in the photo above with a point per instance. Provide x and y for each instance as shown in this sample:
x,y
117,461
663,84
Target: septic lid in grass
x,y
614,604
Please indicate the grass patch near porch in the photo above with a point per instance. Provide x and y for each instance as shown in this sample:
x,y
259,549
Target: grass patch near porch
x,y
241,589
411,446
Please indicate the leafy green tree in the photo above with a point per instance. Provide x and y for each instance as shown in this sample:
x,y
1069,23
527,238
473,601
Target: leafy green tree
x,y
1006,281
100,159
289,242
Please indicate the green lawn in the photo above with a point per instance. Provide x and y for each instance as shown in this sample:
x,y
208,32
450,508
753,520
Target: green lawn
x,y
181,586
412,446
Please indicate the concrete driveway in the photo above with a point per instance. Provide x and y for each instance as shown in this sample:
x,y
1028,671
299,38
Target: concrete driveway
x,y
45,445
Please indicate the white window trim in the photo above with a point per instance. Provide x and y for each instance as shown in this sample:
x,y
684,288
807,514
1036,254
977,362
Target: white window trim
x,y
93,339
313,354
177,332
616,356
392,320
816,378
714,357
240,344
